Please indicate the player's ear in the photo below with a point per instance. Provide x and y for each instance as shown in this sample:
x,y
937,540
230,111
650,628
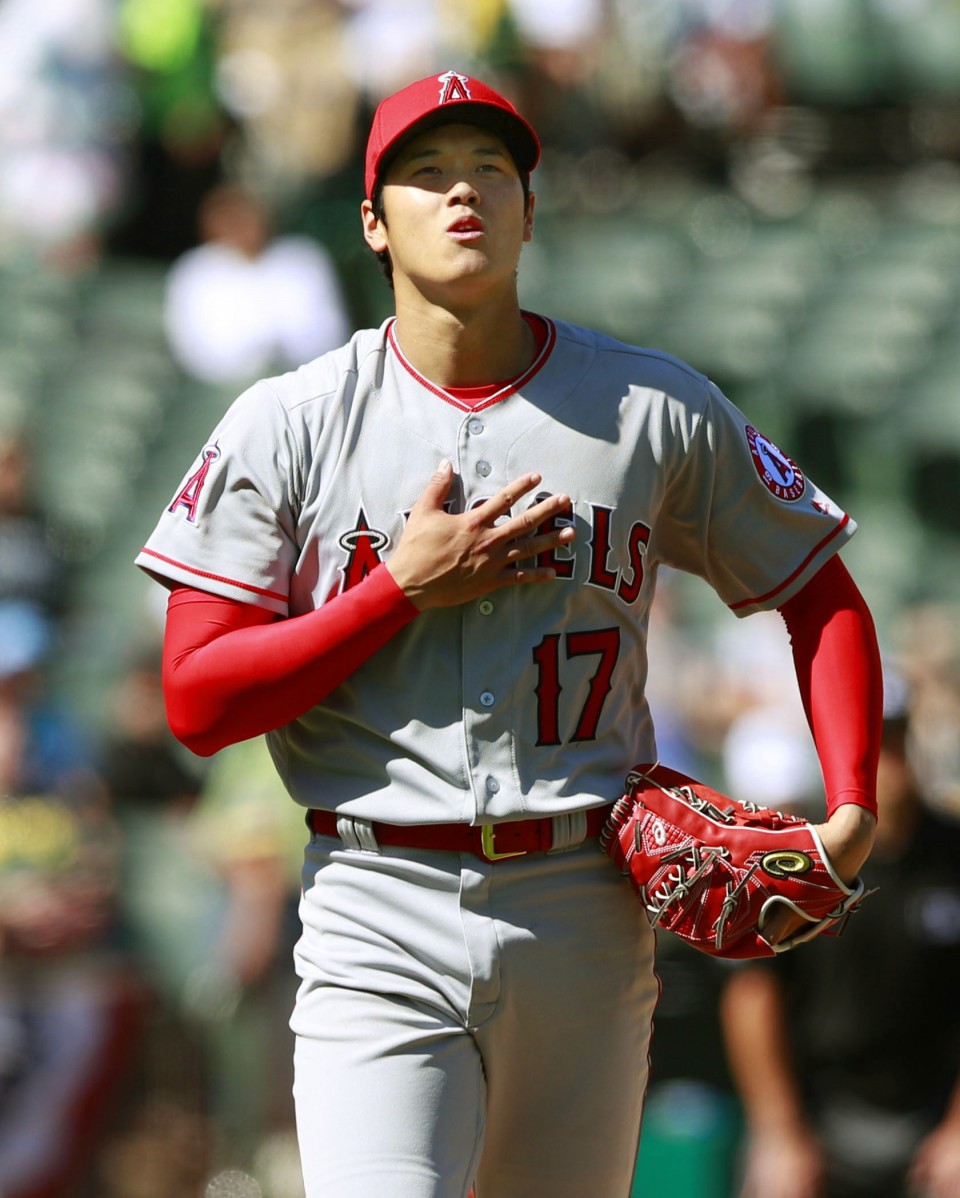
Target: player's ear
x,y
374,229
528,218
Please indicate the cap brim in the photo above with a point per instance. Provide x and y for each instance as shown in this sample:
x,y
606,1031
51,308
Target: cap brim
x,y
512,131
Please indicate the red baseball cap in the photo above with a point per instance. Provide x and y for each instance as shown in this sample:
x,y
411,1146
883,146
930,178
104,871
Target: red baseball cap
x,y
447,99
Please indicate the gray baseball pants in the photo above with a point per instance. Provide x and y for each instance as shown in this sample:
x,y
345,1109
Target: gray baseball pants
x,y
463,1023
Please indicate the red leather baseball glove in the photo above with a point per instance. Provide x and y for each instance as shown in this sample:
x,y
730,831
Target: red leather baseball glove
x,y
712,870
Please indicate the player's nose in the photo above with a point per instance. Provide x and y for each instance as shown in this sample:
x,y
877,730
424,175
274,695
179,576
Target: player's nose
x,y
462,191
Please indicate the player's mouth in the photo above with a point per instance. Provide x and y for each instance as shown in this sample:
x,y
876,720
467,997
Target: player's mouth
x,y
466,229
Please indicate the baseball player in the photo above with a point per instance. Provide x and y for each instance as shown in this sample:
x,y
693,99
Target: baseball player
x,y
423,565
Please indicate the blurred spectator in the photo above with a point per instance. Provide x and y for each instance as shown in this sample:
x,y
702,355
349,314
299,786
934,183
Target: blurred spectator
x,y
170,900
243,302
168,48
690,1131
209,888
721,72
846,1052
283,73
675,676
568,28
928,638
30,571
251,837
66,119
142,765
168,1139
44,747
768,754
389,42
69,1006
209,893
723,686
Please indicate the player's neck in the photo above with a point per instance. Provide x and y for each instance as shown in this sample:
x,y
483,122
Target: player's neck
x,y
465,348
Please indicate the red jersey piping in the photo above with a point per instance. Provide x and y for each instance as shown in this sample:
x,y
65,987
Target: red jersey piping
x,y
799,570
244,586
506,390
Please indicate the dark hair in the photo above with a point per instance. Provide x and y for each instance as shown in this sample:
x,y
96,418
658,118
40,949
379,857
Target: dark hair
x,y
383,256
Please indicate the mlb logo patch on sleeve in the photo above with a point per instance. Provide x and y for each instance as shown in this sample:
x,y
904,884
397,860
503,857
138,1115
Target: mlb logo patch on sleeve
x,y
781,476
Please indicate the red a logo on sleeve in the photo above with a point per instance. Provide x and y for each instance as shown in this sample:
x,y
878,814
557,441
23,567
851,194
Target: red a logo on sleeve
x,y
189,494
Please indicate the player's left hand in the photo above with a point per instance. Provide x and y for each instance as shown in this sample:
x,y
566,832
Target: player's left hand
x,y
847,837
732,879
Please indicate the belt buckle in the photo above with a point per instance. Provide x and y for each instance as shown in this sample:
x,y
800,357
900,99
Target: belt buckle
x,y
487,837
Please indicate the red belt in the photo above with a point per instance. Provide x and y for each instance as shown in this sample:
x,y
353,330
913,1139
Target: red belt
x,y
512,838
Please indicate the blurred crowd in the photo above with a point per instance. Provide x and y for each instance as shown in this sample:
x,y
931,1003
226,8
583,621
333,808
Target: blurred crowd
x,y
147,899
147,913
116,115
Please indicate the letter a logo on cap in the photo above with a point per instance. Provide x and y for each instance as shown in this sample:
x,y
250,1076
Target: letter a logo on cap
x,y
453,87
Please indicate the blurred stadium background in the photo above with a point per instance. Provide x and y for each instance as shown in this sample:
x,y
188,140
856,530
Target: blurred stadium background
x,y
767,188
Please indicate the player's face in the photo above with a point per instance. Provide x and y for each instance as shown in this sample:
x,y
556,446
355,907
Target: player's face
x,y
455,215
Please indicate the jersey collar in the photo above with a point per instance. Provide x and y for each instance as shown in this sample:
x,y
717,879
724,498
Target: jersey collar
x,y
509,388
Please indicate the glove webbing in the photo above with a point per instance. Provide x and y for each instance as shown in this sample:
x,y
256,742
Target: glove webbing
x,y
701,859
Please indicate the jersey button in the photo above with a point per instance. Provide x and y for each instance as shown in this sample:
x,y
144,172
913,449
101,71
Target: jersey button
x,y
488,699
493,785
475,427
483,469
486,607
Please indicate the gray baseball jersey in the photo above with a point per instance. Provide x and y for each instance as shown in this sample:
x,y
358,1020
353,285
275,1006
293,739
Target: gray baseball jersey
x,y
531,700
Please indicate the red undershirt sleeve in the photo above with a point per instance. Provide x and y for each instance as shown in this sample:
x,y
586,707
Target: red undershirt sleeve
x,y
232,671
837,661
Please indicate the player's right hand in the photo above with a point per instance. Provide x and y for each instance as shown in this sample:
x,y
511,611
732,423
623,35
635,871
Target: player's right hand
x,y
442,560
